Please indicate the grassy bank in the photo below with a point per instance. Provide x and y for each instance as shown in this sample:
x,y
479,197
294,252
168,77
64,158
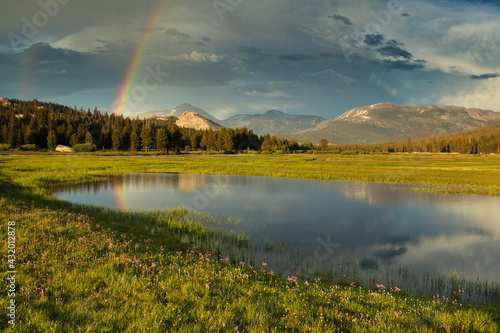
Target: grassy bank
x,y
478,174
79,273
88,269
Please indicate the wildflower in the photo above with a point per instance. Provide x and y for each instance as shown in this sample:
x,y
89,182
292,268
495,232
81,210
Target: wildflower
x,y
179,252
306,283
264,264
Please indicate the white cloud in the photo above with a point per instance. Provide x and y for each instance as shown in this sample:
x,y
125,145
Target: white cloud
x,y
224,112
482,94
94,38
269,94
196,57
52,71
465,42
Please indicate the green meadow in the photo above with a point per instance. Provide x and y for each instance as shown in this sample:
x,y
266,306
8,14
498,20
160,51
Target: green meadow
x,y
91,269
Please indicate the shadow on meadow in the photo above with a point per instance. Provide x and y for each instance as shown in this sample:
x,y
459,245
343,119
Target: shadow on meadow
x,y
91,269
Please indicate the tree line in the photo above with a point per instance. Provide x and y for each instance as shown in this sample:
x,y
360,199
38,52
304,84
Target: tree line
x,y
46,125
484,140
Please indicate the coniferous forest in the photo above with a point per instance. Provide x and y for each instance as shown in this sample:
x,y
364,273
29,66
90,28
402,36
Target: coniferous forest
x,y
32,125
484,140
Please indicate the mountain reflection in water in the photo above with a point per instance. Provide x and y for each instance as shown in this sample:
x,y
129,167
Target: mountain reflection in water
x,y
372,222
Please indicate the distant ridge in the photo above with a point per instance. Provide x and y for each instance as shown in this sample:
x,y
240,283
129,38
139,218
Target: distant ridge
x,y
273,121
362,125
390,122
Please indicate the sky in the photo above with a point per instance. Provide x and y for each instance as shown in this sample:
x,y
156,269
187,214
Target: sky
x,y
318,57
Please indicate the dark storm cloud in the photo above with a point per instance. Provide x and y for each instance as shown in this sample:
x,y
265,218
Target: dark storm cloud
x,y
484,1
251,50
394,42
251,55
403,65
296,57
394,52
327,55
177,34
58,72
374,39
199,75
485,76
341,18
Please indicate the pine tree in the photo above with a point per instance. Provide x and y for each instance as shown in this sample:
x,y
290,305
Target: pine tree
x,y
51,140
125,137
134,141
13,136
267,144
74,140
323,144
146,138
89,139
174,136
204,141
116,140
211,143
228,141
194,141
161,140
220,141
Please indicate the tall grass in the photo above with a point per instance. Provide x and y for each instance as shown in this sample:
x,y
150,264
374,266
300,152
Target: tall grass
x,y
85,273
91,269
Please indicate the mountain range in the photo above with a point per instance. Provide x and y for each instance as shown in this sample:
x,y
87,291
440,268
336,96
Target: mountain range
x,y
272,121
388,122
177,112
368,124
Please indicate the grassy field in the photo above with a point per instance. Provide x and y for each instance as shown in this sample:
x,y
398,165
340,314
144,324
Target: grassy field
x,y
478,174
89,269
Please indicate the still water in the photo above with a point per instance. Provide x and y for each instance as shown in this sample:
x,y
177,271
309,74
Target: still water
x,y
371,222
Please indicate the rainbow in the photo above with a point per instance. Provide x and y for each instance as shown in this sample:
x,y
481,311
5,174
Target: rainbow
x,y
126,86
128,81
121,198
29,59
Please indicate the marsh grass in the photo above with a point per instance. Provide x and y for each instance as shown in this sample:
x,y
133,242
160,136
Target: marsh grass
x,y
77,274
91,269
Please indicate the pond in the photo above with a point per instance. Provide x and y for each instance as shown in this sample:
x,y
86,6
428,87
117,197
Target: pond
x,y
373,223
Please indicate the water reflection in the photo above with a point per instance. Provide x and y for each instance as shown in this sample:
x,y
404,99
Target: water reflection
x,y
373,222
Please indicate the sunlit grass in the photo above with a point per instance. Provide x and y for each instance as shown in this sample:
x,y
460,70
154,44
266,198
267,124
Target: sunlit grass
x,y
90,269
478,174
75,274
